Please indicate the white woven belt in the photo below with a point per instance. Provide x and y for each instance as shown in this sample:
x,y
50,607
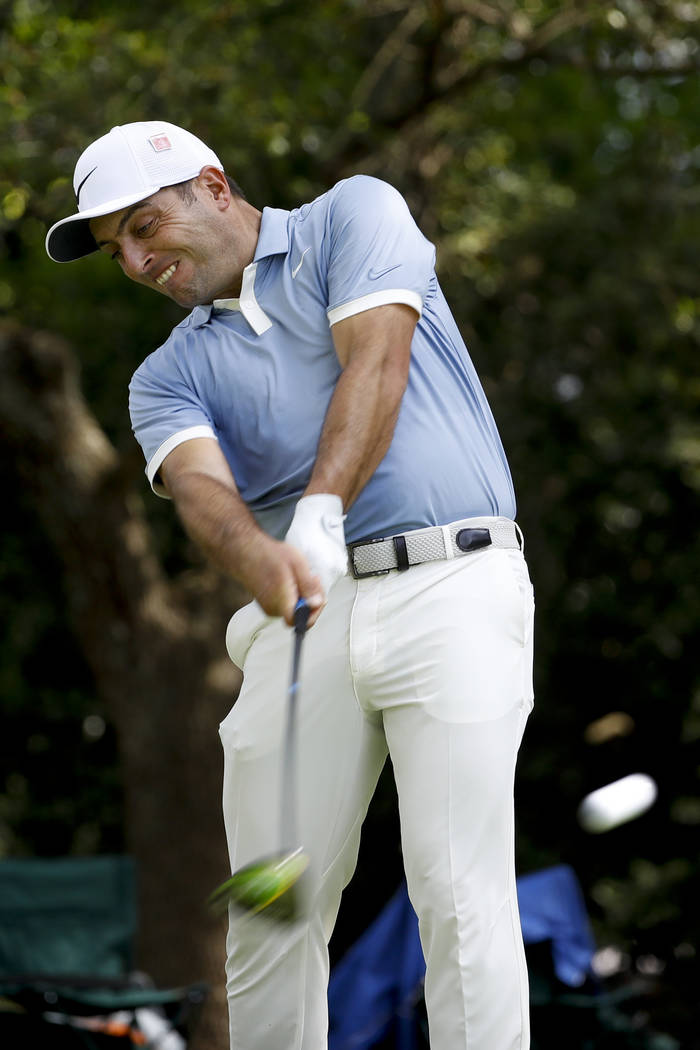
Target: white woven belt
x,y
436,543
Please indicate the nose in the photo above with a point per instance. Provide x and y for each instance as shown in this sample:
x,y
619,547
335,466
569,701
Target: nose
x,y
136,260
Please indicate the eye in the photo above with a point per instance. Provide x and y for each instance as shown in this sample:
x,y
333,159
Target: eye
x,y
141,231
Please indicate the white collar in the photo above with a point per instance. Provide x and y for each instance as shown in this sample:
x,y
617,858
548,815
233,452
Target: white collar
x,y
247,303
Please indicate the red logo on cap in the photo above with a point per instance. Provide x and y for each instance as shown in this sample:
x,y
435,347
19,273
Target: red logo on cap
x,y
160,142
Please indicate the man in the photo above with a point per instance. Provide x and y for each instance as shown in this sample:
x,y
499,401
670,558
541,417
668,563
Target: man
x,y
320,394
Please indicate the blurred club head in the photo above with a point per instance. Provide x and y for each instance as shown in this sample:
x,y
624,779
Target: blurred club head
x,y
269,887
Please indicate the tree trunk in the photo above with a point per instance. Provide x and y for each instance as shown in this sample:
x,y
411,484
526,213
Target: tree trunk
x,y
155,647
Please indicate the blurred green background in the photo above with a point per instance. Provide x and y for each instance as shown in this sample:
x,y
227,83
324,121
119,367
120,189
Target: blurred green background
x,y
551,151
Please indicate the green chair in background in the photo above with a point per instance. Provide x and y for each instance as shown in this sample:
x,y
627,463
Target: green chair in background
x,y
67,930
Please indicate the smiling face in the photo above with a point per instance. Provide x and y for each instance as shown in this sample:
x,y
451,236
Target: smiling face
x,y
192,247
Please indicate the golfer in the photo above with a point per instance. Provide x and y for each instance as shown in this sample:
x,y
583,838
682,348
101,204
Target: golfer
x,y
319,424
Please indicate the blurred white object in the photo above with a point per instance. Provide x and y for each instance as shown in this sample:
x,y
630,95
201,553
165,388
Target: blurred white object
x,y
609,960
158,1030
616,803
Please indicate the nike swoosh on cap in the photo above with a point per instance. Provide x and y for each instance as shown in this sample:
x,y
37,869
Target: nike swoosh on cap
x,y
77,192
374,274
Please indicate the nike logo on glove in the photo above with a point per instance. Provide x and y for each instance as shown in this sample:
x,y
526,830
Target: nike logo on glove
x,y
375,274
333,525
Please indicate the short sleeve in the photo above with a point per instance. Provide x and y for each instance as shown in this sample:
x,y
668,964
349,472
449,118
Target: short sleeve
x,y
165,412
377,254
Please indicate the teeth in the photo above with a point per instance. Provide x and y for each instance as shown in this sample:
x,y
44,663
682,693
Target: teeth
x,y
166,275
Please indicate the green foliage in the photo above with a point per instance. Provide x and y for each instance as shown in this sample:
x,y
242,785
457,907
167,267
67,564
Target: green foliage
x,y
552,153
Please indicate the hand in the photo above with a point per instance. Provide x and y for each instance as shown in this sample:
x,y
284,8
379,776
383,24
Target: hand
x,y
277,575
317,532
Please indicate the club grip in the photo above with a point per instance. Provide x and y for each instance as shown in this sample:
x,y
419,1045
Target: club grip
x,y
301,616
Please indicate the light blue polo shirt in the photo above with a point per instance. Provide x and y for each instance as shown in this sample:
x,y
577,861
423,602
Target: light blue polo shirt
x,y
257,373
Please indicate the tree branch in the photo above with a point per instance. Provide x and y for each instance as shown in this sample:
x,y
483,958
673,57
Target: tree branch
x,y
346,146
386,55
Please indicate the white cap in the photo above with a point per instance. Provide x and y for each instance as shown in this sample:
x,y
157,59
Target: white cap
x,y
125,166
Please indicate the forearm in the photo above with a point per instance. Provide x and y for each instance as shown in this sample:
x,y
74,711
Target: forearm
x,y
360,422
217,519
219,522
357,431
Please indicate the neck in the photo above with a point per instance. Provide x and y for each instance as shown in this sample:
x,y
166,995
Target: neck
x,y
246,231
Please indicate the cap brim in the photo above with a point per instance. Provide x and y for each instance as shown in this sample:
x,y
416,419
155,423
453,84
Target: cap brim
x,y
71,239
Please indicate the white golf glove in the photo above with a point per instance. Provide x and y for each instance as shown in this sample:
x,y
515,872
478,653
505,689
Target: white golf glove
x,y
317,531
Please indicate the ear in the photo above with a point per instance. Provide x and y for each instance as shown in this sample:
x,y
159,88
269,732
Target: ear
x,y
212,183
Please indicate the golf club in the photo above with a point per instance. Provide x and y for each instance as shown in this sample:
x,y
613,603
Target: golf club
x,y
267,886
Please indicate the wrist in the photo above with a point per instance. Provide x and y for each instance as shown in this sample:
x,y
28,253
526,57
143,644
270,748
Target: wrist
x,y
256,553
322,502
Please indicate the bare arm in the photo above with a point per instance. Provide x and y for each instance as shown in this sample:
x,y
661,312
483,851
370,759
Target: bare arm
x,y
200,482
374,350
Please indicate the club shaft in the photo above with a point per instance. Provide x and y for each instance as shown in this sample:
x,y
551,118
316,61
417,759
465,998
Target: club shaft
x,y
288,807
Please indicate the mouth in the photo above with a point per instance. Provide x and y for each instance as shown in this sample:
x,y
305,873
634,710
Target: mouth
x,y
163,279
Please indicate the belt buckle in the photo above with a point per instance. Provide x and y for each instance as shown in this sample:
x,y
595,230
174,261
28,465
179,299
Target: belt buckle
x,y
365,543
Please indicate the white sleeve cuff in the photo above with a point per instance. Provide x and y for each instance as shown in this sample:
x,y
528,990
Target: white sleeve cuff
x,y
381,298
156,460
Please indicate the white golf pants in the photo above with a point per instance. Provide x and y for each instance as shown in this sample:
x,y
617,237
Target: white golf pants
x,y
434,667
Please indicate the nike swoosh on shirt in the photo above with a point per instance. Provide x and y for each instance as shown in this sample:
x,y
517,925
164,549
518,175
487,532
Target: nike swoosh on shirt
x,y
374,274
299,265
77,192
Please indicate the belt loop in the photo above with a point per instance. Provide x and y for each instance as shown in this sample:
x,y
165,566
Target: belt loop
x,y
448,541
521,538
402,561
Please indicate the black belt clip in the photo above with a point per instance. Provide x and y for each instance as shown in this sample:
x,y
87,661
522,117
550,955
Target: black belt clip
x,y
472,539
402,562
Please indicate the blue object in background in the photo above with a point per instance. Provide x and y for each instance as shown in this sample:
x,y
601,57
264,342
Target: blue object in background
x,y
377,985
552,908
378,982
